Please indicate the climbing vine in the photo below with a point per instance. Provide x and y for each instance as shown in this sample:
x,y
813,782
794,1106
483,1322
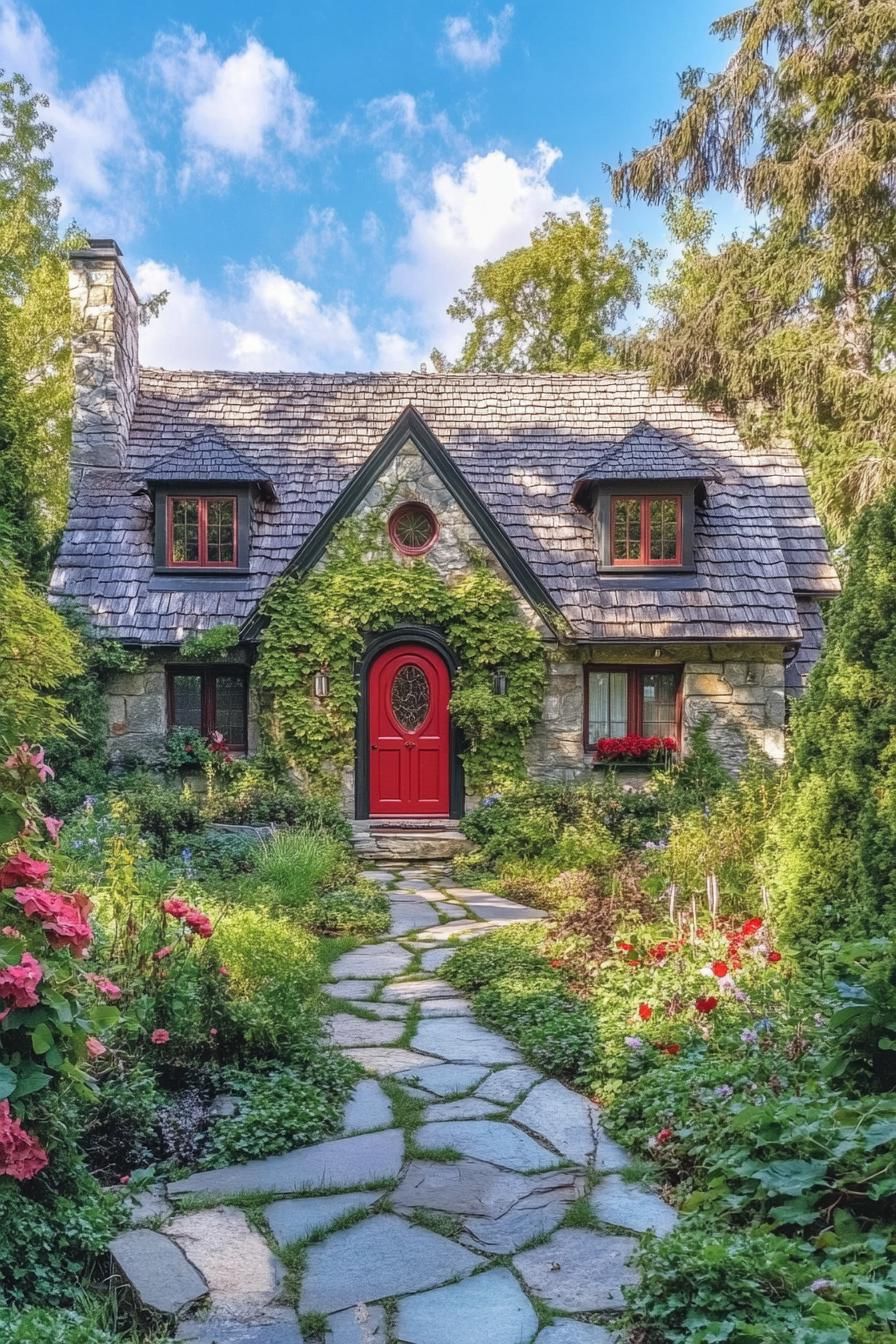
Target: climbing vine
x,y
321,619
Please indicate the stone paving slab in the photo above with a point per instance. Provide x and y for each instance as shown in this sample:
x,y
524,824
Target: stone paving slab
x,y
336,1164
540,1210
490,1308
409,991
276,1325
161,1276
450,910
242,1273
444,1079
384,1060
575,1332
351,989
462,1041
367,1108
565,1118
145,1206
457,930
357,1325
610,1156
579,1270
490,1141
465,1108
296,1219
373,962
435,958
382,1257
507,1084
445,1008
498,909
408,915
392,1011
482,1192
346,1029
629,1205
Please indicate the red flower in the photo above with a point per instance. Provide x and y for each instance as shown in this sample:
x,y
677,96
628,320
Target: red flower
x,y
751,926
659,951
720,969
664,1136
774,957
21,1156
223,970
177,908
645,1012
160,1036
162,953
213,1031
706,1005
199,923
18,983
62,916
632,747
95,1047
104,987
22,870
624,947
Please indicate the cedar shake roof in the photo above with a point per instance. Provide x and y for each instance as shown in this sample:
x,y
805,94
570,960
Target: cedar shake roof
x,y
206,457
521,441
645,454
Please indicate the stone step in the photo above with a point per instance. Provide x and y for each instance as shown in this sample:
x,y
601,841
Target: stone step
x,y
392,843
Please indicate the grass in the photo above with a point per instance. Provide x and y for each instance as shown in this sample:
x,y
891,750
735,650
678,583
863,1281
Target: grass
x,y
410,1025
445,1224
407,1111
446,1154
299,865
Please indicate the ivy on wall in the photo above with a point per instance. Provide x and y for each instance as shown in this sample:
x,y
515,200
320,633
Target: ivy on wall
x,y
321,619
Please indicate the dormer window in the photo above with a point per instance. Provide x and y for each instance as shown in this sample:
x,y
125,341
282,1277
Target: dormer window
x,y
645,530
202,532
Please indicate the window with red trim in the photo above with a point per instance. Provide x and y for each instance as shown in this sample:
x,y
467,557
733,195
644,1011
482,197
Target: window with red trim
x,y
645,530
202,532
210,699
620,701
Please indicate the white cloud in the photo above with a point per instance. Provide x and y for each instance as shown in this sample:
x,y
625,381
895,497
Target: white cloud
x,y
273,322
472,51
397,112
396,353
471,214
243,111
324,236
101,161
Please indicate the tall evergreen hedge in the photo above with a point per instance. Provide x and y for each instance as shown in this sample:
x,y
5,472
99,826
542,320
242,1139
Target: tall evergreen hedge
x,y
836,838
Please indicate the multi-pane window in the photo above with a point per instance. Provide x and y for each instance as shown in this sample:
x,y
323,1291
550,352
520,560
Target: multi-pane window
x,y
631,700
645,529
202,531
210,699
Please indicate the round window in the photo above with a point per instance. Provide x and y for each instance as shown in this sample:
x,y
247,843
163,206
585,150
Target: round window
x,y
413,528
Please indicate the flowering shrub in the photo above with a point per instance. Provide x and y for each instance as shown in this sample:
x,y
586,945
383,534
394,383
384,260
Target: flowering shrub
x,y
634,747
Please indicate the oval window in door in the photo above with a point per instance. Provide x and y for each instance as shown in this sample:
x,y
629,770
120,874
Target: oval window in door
x,y
410,697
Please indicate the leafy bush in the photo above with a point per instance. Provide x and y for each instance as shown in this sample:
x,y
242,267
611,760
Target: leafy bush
x,y
187,749
42,1325
121,1125
160,810
482,960
282,1108
861,1032
257,793
213,855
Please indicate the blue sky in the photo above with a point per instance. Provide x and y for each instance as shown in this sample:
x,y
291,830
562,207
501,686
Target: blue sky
x,y
313,182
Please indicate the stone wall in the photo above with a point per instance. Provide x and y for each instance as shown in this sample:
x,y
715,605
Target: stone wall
x,y
138,714
105,323
740,690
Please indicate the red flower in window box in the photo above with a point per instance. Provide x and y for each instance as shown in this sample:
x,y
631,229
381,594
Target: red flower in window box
x,y
633,747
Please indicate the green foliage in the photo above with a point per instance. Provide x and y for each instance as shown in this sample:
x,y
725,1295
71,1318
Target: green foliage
x,y
282,1109
559,825
120,1125
39,654
862,1028
45,1325
208,645
835,844
214,856
256,792
792,328
517,993
186,749
160,811
298,866
321,619
554,305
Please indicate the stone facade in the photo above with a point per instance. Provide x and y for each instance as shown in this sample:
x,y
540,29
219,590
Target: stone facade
x,y
741,691
106,312
138,711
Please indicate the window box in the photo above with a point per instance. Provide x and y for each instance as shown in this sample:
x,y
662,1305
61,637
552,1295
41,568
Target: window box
x,y
633,749
627,706
211,699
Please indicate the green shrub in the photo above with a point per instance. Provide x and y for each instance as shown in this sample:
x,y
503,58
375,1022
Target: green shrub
x,y
120,1127
44,1325
482,960
160,810
859,1037
282,1108
296,867
257,792
213,855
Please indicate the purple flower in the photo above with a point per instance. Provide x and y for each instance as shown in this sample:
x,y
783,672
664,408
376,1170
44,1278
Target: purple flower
x,y
820,1285
724,1091
634,1042
749,1037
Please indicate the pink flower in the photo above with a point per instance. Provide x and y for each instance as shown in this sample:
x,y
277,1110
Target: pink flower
x,y
62,916
105,987
213,1031
29,758
163,952
9,932
223,970
18,983
199,923
160,1036
664,1136
175,907
123,1180
95,1047
53,826
22,869
21,1156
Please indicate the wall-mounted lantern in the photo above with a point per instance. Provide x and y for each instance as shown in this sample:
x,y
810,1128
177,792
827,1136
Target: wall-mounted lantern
x,y
322,683
499,683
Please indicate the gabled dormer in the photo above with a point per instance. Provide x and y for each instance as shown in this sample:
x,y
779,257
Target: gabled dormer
x,y
643,494
202,495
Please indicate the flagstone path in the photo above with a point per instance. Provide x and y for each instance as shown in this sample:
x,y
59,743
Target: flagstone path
x,y
471,1200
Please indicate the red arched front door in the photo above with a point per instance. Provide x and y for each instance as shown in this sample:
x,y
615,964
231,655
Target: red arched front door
x,y
408,693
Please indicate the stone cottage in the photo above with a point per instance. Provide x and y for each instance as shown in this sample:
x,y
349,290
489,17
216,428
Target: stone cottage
x,y
673,571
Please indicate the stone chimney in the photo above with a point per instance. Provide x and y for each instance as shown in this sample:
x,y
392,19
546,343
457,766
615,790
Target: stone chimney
x,y
104,353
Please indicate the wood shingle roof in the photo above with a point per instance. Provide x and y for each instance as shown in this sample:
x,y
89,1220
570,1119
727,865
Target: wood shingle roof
x,y
521,442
